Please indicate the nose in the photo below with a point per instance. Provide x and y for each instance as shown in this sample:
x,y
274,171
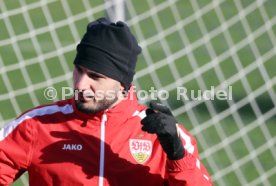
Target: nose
x,y
81,81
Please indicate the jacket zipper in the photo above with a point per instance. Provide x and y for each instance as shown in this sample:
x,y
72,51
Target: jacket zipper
x,y
102,148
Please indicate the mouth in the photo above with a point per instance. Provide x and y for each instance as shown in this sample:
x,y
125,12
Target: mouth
x,y
85,96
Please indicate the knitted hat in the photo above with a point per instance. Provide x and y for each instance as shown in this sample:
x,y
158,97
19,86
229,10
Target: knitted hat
x,y
109,49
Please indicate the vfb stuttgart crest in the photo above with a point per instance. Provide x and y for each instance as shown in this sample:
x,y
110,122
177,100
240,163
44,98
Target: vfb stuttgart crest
x,y
140,149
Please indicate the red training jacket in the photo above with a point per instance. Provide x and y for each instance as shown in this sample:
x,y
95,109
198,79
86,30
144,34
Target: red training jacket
x,y
60,146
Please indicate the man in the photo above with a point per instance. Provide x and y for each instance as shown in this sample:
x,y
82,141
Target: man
x,y
102,136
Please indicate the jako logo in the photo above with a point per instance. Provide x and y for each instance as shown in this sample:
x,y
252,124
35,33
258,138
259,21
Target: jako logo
x,y
72,147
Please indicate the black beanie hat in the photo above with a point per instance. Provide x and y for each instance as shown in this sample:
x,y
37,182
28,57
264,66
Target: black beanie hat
x,y
109,49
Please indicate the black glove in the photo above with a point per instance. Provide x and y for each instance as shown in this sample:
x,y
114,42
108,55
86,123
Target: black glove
x,y
160,121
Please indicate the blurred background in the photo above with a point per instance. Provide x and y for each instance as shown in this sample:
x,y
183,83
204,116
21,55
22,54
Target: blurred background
x,y
196,44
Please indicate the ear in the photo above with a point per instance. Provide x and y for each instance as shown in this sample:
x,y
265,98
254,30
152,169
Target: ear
x,y
122,88
123,91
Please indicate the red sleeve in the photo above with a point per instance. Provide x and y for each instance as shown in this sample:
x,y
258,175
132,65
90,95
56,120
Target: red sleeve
x,y
15,150
187,171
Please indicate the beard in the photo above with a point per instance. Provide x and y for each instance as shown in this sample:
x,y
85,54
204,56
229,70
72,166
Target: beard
x,y
93,105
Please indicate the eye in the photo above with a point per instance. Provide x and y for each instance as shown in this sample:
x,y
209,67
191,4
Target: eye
x,y
94,76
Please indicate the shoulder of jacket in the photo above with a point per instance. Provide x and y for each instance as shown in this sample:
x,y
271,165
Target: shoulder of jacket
x,y
63,106
31,115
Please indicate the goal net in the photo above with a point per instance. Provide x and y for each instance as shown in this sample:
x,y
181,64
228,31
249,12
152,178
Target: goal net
x,y
190,48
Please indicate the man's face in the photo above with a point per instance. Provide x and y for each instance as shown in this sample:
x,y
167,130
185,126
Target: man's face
x,y
95,92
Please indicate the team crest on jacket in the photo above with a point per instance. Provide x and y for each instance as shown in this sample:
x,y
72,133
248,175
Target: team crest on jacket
x,y
140,149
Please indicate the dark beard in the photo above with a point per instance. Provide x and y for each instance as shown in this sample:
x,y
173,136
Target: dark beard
x,y
101,105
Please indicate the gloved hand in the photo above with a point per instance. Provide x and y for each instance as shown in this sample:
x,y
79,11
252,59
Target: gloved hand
x,y
160,121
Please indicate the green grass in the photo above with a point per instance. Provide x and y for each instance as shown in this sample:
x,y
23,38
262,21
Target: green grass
x,y
217,45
